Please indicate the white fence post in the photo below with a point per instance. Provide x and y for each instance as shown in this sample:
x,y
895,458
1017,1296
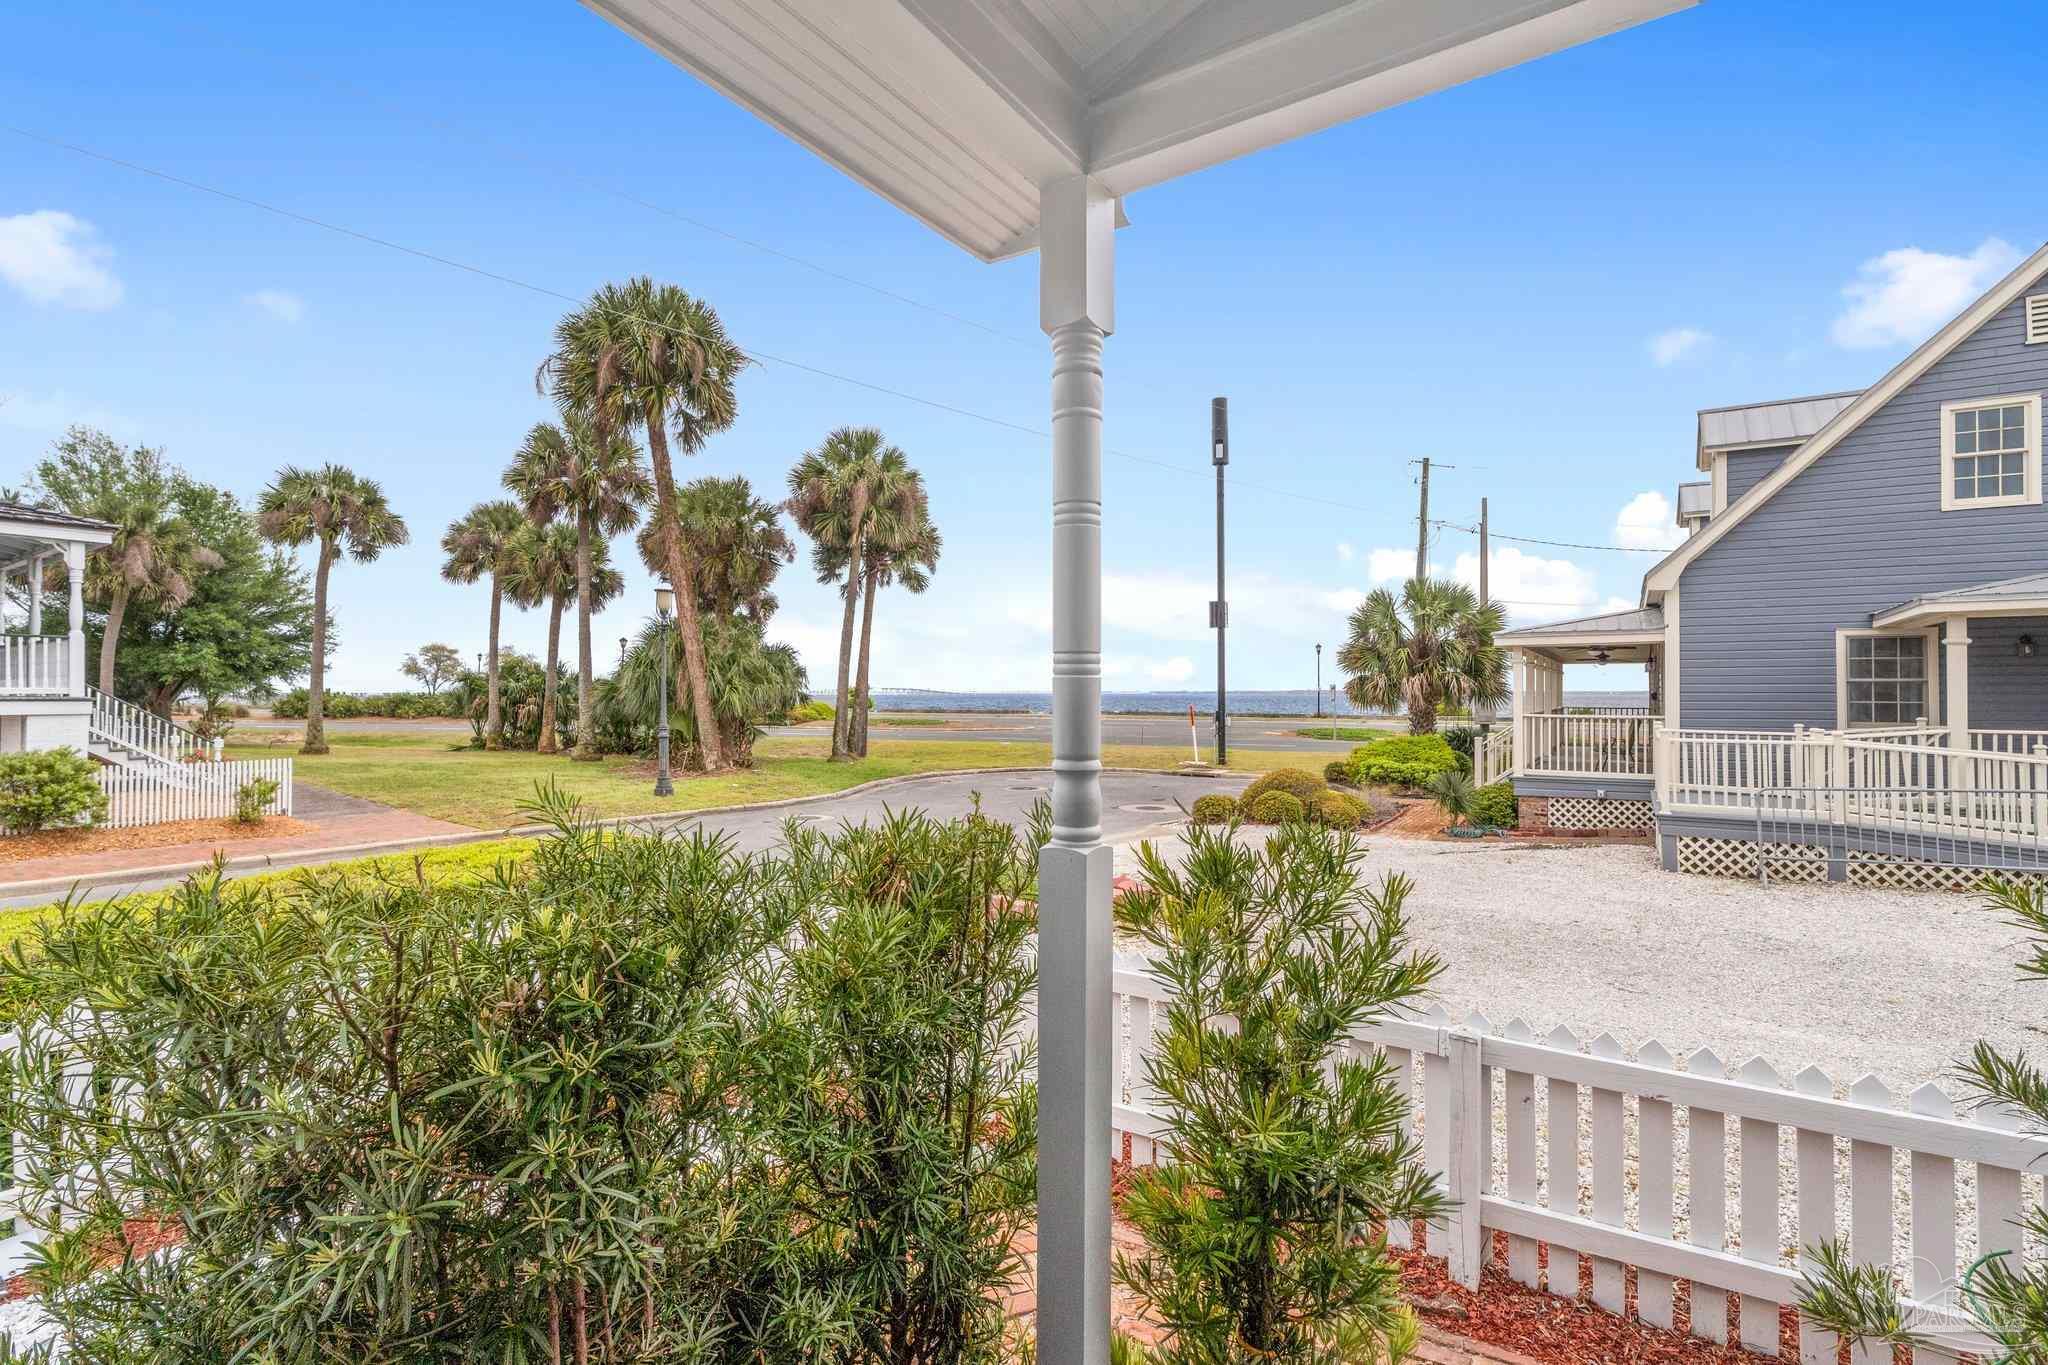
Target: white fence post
x,y
1468,1156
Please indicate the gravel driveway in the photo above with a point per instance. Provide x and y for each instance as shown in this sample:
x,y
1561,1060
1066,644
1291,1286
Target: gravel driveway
x,y
1600,939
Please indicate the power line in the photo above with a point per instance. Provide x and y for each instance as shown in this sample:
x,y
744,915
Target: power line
x,y
545,291
1559,544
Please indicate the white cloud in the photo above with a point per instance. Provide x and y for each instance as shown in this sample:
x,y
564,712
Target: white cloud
x,y
1532,587
281,304
1904,295
1670,347
1646,522
1384,565
1346,551
52,258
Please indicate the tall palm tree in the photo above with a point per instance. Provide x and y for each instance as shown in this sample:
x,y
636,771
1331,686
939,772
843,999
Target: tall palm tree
x,y
904,550
594,477
485,541
836,492
345,514
544,572
735,544
651,356
1430,647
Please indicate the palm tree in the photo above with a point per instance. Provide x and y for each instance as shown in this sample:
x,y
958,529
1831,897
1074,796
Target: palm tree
x,y
544,571
651,356
1431,647
836,492
486,541
597,481
344,514
904,550
735,544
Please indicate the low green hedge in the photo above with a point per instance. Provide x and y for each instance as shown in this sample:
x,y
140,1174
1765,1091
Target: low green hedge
x,y
1341,810
1337,773
381,705
1303,787
1494,805
1403,760
1215,808
1278,808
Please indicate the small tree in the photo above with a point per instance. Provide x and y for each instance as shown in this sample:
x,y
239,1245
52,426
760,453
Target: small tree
x,y
1284,1158
433,667
2007,1298
1454,794
48,787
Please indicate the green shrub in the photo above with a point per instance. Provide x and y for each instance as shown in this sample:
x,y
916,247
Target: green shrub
x,y
251,799
1337,773
1402,760
1464,740
1303,787
1278,808
48,787
803,713
1285,1154
1494,805
1214,808
1340,810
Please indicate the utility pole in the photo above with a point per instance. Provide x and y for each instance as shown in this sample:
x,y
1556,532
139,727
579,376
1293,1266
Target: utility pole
x,y
1485,715
1219,610
1422,526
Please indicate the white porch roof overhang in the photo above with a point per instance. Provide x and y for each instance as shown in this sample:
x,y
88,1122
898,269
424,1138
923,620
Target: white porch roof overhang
x,y
960,111
1008,125
2023,596
1613,637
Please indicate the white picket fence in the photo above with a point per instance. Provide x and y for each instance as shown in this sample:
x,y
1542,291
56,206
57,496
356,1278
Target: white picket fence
x,y
202,791
1684,1174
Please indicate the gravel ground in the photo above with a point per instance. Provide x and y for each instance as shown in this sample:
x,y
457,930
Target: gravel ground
x,y
1600,939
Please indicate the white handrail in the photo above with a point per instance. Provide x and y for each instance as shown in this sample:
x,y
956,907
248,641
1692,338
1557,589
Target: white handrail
x,y
1600,746
39,664
128,726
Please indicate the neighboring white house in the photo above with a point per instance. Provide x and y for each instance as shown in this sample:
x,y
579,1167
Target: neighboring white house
x,y
150,767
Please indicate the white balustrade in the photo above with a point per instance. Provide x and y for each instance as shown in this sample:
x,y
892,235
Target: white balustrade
x,y
1619,745
37,665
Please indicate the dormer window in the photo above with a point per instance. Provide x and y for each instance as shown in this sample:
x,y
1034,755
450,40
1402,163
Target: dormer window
x,y
1991,452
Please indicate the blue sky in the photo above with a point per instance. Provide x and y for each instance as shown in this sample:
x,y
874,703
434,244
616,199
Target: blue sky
x,y
1534,279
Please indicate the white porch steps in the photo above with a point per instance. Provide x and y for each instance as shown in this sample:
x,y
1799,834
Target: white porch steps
x,y
124,735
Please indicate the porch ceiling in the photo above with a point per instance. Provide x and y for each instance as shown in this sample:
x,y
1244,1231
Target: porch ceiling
x,y
1623,636
958,111
2023,596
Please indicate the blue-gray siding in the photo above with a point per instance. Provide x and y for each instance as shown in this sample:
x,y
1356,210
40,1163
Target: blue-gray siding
x,y
1858,531
1746,468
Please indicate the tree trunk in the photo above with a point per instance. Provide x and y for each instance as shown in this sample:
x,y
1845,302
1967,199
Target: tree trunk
x,y
858,721
316,677
548,742
710,752
494,710
110,640
586,721
1421,718
842,717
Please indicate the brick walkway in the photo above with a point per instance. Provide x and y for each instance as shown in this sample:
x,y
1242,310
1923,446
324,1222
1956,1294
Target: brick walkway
x,y
343,832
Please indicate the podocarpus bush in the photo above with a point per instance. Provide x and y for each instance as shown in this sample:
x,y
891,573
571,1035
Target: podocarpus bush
x,y
1284,1155
1303,787
49,787
1277,808
1494,805
252,798
1213,808
1402,760
643,1098
892,1078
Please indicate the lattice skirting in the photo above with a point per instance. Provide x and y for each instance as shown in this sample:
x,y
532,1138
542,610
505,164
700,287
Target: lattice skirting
x,y
1600,812
1737,858
1795,863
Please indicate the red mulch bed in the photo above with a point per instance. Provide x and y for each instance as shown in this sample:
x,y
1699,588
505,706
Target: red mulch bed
x,y
60,843
141,1237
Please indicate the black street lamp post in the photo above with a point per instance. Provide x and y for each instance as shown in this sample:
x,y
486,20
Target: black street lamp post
x,y
1319,681
664,602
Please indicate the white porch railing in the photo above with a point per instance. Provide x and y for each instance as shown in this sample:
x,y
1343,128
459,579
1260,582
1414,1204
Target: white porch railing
x,y
1493,757
1657,1193
1617,745
35,665
129,726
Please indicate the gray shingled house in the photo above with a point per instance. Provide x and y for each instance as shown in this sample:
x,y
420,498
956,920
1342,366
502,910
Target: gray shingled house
x,y
1851,633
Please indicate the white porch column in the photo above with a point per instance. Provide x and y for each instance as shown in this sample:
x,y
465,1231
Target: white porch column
x,y
35,595
74,569
1955,687
1518,704
1076,293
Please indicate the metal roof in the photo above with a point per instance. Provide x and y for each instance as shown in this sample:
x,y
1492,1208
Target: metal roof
x,y
959,111
2001,592
1695,500
1785,421
19,513
1639,621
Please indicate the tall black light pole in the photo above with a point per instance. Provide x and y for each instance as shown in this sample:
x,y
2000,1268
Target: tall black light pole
x,y
622,652
1219,610
664,602
1319,679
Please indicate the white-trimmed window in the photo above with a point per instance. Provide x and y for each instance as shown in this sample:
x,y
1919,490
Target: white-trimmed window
x,y
1991,452
1885,678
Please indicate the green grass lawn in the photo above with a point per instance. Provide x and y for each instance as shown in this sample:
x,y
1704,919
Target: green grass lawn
x,y
1357,734
485,790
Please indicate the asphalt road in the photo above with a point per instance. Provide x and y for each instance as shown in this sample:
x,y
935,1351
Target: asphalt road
x,y
1166,732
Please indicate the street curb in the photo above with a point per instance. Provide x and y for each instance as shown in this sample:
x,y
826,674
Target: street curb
x,y
287,858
